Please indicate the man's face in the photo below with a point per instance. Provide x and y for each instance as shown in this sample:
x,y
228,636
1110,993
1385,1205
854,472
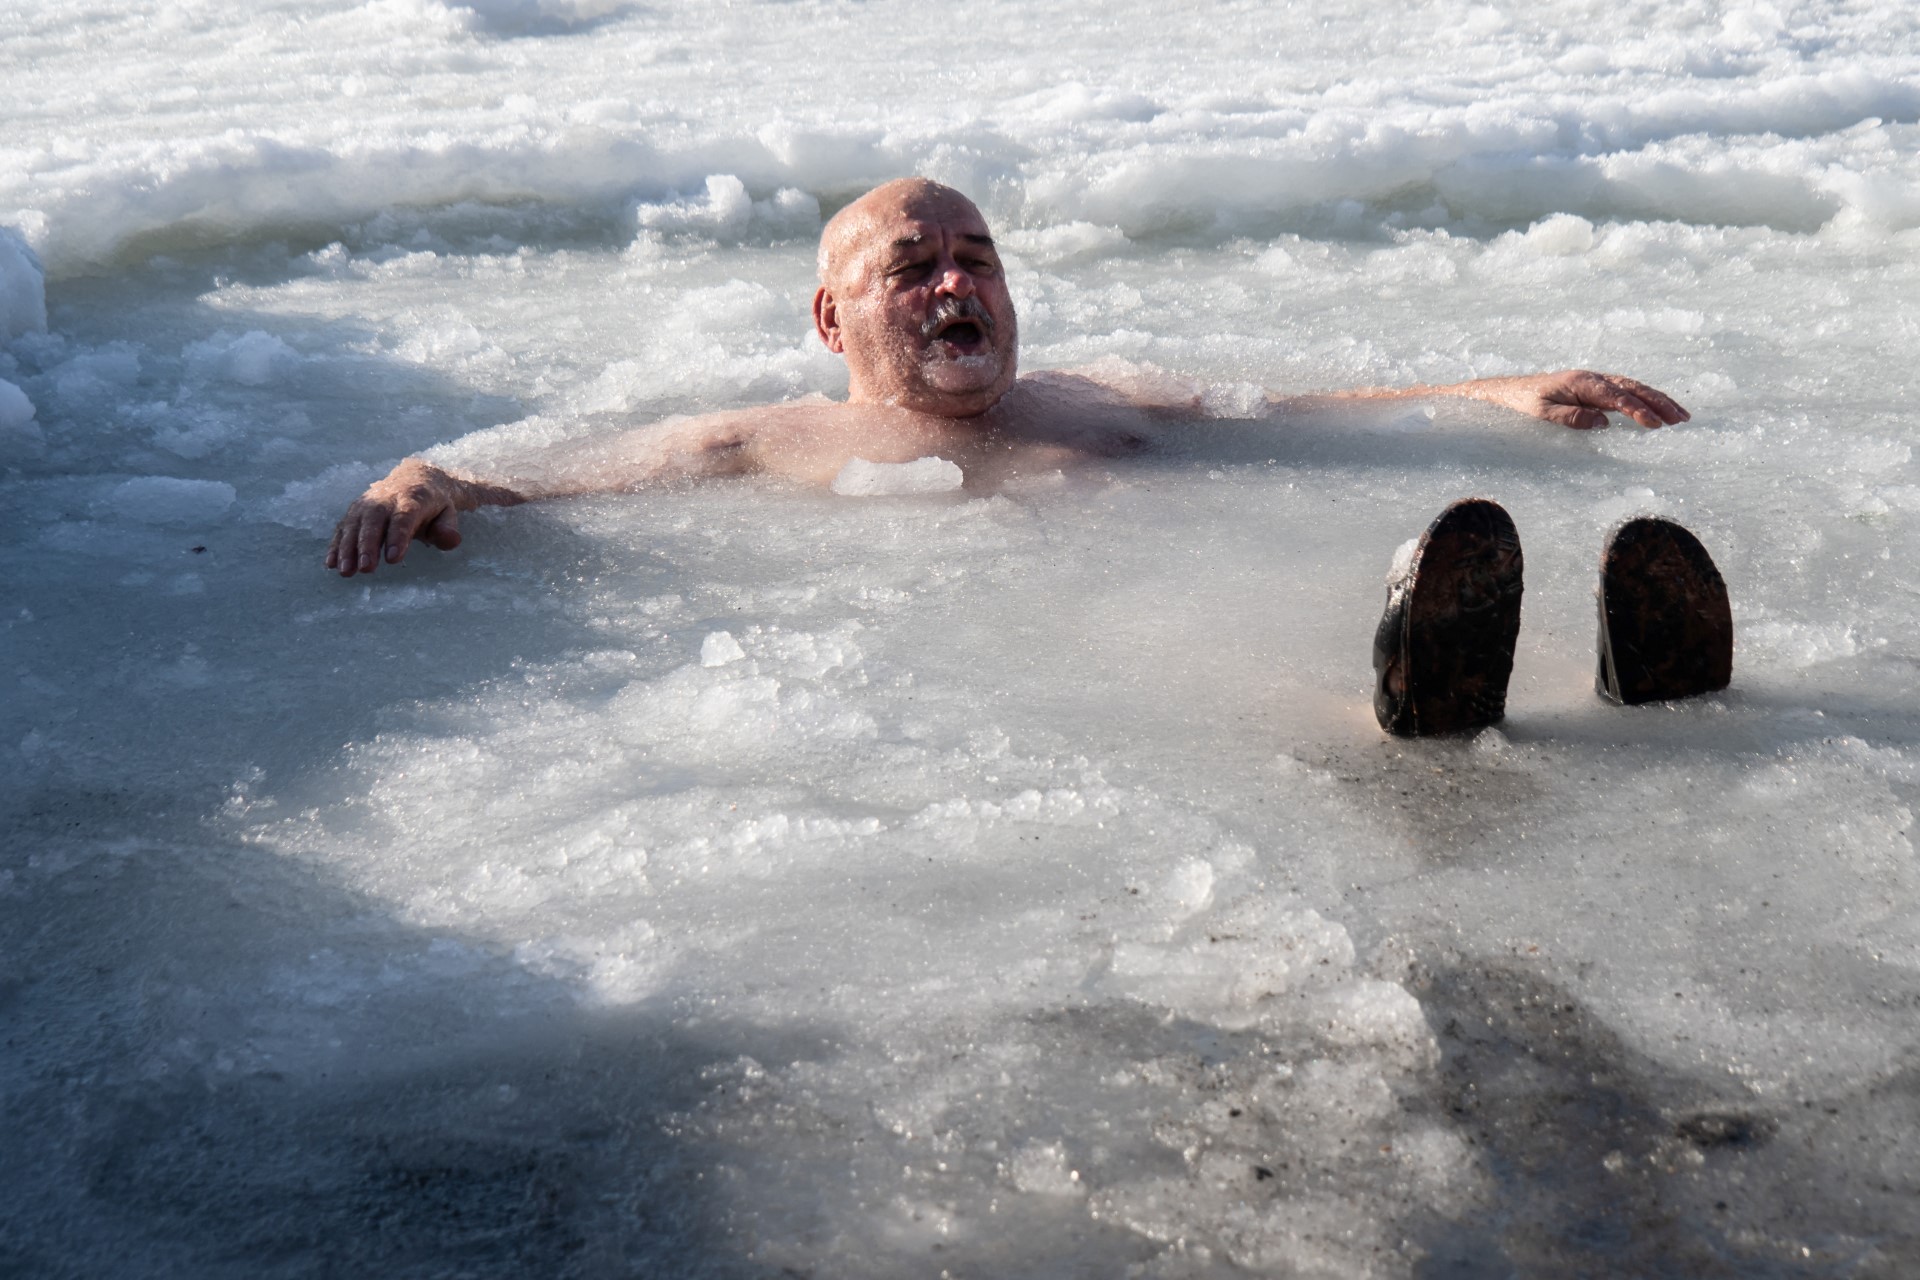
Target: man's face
x,y
918,303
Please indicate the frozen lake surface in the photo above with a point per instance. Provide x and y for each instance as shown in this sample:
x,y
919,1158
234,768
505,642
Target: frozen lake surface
x,y
748,880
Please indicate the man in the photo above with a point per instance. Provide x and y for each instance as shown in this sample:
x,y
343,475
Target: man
x,y
913,296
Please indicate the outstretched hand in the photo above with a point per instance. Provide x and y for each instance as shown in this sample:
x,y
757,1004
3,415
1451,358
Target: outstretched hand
x,y
416,501
1578,398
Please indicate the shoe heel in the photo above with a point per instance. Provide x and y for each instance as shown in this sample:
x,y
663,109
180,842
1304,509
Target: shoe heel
x,y
1666,626
1443,653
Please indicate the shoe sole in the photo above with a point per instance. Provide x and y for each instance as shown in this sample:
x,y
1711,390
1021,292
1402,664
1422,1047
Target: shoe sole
x,y
1666,628
1444,651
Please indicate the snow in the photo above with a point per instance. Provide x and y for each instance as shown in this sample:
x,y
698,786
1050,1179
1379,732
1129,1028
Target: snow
x,y
732,878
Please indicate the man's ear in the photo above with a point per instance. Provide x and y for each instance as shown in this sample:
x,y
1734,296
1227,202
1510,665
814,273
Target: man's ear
x,y
826,320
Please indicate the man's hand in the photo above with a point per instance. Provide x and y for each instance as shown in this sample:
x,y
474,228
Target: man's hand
x,y
1576,398
417,500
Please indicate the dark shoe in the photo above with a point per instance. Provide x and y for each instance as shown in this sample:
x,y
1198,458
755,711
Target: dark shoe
x,y
1666,630
1444,649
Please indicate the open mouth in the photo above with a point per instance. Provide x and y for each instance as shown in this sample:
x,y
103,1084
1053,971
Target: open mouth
x,y
961,325
963,334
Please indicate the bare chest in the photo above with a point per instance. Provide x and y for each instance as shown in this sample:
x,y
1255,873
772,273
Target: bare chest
x,y
1022,434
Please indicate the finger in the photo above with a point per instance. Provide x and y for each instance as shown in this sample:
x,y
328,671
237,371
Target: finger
x,y
1634,407
1607,393
1576,416
373,531
1663,404
401,531
343,556
441,532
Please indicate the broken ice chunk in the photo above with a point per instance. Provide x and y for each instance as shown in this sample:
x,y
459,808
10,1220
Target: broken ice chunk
x,y
253,359
16,411
720,648
863,479
1402,562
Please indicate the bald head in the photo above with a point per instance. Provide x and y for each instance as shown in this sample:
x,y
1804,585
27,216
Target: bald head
x,y
902,200
912,295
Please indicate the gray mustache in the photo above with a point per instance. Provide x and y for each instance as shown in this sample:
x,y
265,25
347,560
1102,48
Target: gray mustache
x,y
949,310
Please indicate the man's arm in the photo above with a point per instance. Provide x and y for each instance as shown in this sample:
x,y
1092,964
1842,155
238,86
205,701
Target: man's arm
x,y
420,502
1573,397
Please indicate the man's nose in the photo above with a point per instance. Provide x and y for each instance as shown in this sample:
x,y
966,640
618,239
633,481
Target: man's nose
x,y
954,280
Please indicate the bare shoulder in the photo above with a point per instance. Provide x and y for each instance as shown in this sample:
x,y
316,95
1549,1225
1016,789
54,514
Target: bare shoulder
x,y
784,414
1071,409
1137,384
722,442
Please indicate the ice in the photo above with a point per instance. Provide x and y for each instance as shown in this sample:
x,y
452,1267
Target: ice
x,y
528,17
1402,565
1043,1168
251,359
166,500
23,309
23,298
863,479
727,210
1563,235
720,648
736,879
16,411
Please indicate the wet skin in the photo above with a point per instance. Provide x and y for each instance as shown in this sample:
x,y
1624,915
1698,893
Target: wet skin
x,y
913,296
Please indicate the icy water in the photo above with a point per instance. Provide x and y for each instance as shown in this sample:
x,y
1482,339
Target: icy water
x,y
747,880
